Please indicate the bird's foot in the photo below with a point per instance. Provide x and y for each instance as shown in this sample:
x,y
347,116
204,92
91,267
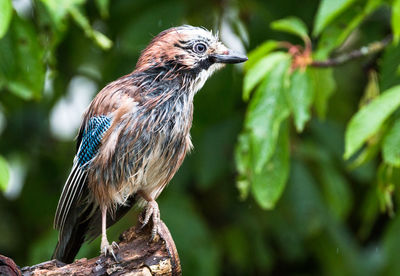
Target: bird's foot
x,y
153,211
107,249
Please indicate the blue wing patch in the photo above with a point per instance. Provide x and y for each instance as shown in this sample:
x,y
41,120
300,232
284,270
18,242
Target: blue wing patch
x,y
91,138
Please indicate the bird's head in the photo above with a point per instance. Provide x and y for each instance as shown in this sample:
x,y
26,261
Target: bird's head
x,y
187,50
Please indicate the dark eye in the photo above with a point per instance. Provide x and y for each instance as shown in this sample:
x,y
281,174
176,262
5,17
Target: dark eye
x,y
200,48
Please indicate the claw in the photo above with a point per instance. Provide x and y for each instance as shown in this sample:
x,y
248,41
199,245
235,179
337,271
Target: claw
x,y
115,245
107,249
152,211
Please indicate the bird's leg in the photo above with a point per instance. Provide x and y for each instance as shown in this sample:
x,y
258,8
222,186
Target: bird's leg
x,y
105,246
153,211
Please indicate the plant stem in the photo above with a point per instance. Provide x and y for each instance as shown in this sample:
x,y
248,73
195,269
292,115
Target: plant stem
x,y
370,49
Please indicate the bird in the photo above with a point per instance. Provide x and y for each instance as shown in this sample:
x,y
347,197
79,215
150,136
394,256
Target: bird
x,y
134,136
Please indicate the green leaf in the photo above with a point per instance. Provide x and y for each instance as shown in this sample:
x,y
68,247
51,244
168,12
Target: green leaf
x,y
269,183
336,190
260,70
369,119
21,55
370,151
102,6
5,16
100,39
267,109
388,67
258,53
4,174
396,20
339,30
59,9
390,146
292,25
370,6
327,11
385,189
300,96
323,85
243,164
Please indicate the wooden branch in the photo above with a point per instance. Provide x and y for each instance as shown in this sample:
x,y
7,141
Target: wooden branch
x,y
372,48
136,255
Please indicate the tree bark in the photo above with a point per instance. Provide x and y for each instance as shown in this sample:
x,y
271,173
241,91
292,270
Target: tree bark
x,y
136,256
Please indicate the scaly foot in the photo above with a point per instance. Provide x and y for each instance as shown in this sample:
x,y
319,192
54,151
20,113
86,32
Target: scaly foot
x,y
107,249
152,211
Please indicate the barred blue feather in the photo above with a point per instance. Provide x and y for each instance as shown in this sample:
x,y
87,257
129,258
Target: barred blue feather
x,y
91,139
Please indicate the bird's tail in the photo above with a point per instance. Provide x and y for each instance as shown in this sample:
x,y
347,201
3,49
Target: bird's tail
x,y
72,236
82,225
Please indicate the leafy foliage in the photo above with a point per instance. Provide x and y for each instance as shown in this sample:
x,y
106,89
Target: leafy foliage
x,y
303,208
4,174
5,16
369,119
328,11
291,25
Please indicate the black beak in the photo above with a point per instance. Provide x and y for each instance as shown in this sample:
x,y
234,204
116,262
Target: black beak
x,y
231,57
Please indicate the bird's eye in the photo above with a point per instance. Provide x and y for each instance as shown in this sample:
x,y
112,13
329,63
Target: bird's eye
x,y
200,48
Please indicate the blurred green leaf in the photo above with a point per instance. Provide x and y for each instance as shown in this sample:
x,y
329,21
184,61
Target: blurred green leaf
x,y
388,67
292,25
336,190
21,60
390,146
6,11
243,165
58,10
103,5
267,109
369,7
369,119
300,96
100,39
372,89
339,30
255,55
304,201
259,71
327,12
370,151
390,248
323,85
4,174
396,20
267,185
386,188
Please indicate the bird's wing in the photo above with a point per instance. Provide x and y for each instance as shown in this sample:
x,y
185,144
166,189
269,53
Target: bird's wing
x,y
96,122
90,139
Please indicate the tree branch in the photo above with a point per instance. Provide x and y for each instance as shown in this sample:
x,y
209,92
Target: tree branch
x,y
137,256
372,48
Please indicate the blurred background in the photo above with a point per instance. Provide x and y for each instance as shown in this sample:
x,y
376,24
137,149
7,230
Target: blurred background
x,y
331,217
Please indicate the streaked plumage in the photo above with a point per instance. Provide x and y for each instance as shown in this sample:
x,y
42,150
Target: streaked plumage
x,y
135,135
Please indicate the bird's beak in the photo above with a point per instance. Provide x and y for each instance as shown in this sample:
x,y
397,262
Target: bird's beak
x,y
230,57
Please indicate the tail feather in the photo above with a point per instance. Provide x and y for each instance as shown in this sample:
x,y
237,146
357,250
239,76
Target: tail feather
x,y
84,224
72,235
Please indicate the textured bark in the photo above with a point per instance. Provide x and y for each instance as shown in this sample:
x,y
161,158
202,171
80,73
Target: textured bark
x,y
136,255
